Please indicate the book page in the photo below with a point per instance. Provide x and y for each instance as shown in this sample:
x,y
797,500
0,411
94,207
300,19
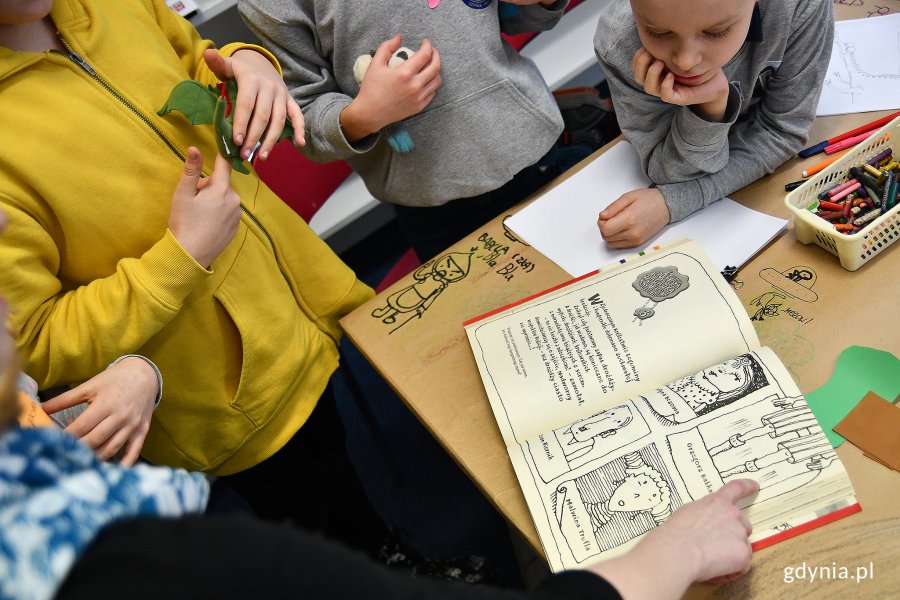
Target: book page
x,y
596,485
600,340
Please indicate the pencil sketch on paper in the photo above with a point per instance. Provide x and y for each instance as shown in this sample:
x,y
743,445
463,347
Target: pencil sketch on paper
x,y
430,280
783,450
879,11
614,503
656,285
851,79
569,447
708,390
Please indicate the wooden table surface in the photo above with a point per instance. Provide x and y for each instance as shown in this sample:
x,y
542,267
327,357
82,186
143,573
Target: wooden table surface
x,y
428,362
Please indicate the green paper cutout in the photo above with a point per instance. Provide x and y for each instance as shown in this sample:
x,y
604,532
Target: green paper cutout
x,y
224,137
858,370
208,105
194,101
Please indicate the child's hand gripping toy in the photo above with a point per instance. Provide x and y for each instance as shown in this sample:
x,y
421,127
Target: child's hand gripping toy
x,y
215,105
398,139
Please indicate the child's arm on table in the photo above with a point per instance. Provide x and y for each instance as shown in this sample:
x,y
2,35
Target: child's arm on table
x,y
696,162
779,125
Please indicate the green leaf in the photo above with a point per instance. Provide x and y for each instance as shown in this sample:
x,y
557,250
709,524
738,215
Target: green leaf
x,y
193,100
237,163
224,134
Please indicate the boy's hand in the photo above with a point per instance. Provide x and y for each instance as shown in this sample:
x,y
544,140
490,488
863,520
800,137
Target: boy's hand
x,y
633,218
121,402
388,95
263,100
709,98
205,213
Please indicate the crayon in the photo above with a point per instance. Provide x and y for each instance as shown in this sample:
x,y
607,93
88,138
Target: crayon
x,y
856,185
885,196
891,185
853,132
824,193
816,168
887,152
831,215
868,217
830,205
872,171
789,187
865,179
835,190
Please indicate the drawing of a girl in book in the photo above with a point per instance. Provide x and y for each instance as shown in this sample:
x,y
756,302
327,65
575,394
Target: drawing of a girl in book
x,y
706,391
614,503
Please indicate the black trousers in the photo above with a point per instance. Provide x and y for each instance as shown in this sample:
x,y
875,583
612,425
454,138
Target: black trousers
x,y
235,556
312,483
432,229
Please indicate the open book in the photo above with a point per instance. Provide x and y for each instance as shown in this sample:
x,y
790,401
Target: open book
x,y
626,393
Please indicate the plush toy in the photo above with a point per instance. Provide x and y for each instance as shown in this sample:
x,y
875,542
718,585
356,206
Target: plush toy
x,y
398,138
215,105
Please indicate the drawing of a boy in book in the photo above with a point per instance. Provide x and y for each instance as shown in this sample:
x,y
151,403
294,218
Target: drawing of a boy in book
x,y
706,391
571,446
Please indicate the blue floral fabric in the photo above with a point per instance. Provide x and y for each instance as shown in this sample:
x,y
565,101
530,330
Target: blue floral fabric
x,y
56,496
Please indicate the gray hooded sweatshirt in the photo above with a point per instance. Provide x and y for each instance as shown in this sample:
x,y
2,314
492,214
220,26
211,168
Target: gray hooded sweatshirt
x,y
492,116
776,78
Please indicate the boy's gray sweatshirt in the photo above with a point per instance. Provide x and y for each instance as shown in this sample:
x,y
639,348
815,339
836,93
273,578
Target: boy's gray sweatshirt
x,y
492,116
775,87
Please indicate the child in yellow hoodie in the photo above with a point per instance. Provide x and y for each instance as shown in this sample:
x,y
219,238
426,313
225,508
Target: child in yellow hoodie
x,y
127,236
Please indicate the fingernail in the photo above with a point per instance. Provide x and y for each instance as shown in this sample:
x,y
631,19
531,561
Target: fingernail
x,y
239,138
264,155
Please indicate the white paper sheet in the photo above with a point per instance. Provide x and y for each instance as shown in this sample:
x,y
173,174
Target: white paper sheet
x,y
562,224
864,72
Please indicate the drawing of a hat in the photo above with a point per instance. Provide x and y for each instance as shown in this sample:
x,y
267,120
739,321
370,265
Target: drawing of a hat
x,y
796,282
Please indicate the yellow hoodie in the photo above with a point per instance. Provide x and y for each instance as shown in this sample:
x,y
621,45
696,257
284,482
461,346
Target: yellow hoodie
x,y
87,173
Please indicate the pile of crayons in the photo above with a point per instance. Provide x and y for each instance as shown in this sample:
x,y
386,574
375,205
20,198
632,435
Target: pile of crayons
x,y
870,191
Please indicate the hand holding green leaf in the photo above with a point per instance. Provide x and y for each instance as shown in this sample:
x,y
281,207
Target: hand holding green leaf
x,y
245,120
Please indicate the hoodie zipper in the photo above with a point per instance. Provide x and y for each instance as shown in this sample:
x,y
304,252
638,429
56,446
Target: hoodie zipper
x,y
76,58
87,68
